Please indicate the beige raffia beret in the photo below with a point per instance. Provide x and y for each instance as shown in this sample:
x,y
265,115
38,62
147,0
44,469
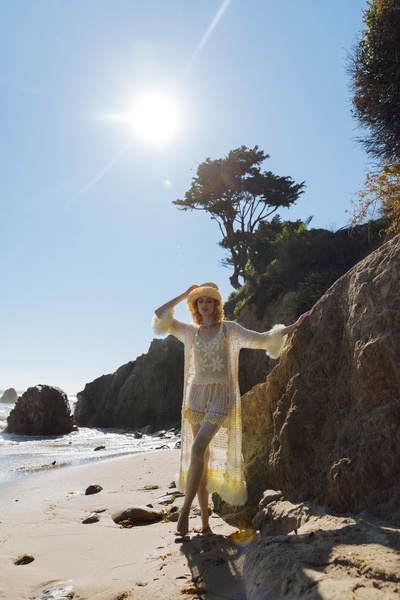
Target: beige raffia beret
x,y
208,290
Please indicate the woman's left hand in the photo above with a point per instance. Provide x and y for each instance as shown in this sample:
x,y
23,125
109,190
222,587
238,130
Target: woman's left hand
x,y
301,319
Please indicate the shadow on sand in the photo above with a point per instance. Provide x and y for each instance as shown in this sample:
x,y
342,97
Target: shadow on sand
x,y
216,565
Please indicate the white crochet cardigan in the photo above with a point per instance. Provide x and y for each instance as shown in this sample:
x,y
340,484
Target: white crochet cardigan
x,y
225,470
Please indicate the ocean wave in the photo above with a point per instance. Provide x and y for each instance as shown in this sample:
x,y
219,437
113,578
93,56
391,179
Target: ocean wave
x,y
22,454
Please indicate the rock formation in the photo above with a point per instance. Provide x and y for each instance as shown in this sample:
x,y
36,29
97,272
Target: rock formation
x,y
41,410
325,430
10,396
329,556
147,391
327,421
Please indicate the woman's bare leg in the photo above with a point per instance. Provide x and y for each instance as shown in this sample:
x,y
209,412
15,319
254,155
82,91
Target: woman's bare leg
x,y
202,493
196,474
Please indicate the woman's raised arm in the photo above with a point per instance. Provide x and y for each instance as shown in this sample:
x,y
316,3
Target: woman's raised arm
x,y
172,303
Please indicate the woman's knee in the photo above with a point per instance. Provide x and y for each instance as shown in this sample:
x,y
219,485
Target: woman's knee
x,y
200,447
203,437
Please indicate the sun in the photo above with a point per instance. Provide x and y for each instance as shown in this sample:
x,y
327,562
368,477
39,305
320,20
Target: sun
x,y
155,117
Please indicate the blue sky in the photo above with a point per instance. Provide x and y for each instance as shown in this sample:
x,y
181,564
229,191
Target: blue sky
x,y
90,242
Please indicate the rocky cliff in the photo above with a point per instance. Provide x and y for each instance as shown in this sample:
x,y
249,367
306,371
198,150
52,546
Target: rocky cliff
x,y
325,426
324,429
147,391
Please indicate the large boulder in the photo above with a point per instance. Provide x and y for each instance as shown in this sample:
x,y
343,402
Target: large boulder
x,y
325,426
41,410
309,552
147,391
9,397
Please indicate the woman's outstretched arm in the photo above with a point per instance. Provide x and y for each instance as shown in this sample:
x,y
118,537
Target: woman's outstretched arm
x,y
296,325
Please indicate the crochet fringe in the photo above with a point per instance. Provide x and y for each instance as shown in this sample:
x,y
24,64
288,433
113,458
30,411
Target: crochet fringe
x,y
234,495
276,341
162,326
180,482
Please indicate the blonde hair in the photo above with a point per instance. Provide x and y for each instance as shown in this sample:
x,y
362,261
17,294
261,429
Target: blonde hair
x,y
206,290
218,314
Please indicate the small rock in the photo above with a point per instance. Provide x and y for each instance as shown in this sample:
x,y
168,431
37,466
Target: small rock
x,y
59,591
176,494
93,489
99,448
165,499
93,518
25,559
160,434
196,510
10,396
138,515
173,516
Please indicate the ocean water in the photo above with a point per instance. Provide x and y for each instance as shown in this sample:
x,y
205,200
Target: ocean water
x,y
22,455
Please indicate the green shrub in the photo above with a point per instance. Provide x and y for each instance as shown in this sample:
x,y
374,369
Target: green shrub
x,y
313,288
289,257
239,307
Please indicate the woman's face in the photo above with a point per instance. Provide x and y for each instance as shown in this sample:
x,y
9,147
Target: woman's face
x,y
206,305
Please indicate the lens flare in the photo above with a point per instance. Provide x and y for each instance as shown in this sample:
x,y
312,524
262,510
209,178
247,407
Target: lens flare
x,y
243,537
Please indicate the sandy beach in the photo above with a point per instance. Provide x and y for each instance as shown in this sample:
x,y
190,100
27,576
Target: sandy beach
x,y
42,518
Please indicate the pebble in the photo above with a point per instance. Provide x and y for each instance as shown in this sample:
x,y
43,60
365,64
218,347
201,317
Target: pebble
x,y
93,489
25,559
59,591
93,518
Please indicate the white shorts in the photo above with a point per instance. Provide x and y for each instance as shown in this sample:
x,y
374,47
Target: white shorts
x,y
208,403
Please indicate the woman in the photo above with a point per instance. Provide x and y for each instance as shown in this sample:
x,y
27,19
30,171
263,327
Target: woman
x,y
211,442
